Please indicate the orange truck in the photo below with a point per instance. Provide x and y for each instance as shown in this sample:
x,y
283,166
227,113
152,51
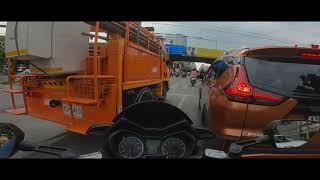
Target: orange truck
x,y
130,67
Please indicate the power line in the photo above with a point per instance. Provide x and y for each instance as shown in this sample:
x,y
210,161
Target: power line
x,y
259,34
187,36
219,30
223,31
225,41
267,37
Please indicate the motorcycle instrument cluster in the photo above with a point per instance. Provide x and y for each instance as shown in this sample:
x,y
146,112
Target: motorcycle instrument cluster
x,y
134,147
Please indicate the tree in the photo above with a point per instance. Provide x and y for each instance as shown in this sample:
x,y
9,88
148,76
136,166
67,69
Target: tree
x,y
2,54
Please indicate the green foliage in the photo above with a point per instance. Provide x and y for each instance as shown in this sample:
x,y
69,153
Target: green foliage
x,y
1,50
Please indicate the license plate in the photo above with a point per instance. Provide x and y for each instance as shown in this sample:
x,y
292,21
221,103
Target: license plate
x,y
76,109
314,118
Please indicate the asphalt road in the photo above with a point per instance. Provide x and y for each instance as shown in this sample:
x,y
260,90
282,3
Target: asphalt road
x,y
181,94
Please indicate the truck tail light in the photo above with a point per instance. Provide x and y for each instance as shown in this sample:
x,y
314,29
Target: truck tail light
x,y
240,90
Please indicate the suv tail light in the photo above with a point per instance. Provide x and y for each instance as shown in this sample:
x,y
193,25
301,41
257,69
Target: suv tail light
x,y
240,90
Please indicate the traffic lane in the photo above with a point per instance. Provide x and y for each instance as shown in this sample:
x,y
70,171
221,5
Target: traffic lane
x,y
186,97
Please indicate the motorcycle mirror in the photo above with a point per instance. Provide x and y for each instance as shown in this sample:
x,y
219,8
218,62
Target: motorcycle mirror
x,y
291,133
10,137
216,154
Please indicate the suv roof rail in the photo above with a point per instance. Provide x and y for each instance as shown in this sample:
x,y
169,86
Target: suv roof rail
x,y
235,51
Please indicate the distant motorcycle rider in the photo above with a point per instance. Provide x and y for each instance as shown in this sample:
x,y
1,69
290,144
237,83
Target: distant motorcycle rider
x,y
193,73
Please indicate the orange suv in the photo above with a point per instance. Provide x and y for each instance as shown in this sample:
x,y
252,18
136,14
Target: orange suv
x,y
246,89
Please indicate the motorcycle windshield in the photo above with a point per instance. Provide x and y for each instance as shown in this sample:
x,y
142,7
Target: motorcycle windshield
x,y
154,114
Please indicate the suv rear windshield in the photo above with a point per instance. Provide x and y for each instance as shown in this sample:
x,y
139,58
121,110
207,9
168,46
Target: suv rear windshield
x,y
296,77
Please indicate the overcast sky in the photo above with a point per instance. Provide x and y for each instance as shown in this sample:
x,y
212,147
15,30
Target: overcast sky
x,y
235,35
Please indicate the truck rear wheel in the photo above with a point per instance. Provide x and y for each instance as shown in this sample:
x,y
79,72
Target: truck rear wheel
x,y
164,91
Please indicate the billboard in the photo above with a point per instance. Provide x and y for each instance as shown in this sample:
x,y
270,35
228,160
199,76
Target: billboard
x,y
177,39
176,49
204,52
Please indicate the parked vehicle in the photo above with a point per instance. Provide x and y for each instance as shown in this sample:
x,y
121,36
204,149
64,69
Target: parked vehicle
x,y
246,89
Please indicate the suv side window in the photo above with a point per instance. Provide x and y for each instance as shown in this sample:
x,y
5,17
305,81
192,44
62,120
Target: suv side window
x,y
220,67
210,73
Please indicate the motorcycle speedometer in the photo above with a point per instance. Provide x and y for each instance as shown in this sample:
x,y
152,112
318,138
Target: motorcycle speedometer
x,y
130,147
173,148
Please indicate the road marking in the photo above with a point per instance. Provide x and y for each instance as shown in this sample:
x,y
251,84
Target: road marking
x,y
181,101
173,86
186,86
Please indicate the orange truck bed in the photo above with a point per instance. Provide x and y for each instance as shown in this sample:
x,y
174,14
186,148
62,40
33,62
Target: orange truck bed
x,y
112,73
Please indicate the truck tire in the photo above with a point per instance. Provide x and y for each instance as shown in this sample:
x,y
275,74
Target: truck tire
x,y
145,94
164,91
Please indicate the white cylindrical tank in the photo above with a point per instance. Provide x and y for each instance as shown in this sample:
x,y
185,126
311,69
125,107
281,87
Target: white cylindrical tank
x,y
54,47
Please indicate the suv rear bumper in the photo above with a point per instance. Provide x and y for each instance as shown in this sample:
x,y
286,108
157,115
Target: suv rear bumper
x,y
234,120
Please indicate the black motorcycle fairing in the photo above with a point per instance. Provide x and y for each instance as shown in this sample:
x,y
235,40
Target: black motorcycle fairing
x,y
154,114
151,120
125,127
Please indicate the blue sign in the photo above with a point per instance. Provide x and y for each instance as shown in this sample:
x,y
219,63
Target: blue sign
x,y
176,49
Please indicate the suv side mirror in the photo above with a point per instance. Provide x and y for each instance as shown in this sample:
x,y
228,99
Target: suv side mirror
x,y
291,133
10,138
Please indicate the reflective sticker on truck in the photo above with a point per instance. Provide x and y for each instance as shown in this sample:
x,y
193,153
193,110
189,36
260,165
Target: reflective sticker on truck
x,y
154,69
